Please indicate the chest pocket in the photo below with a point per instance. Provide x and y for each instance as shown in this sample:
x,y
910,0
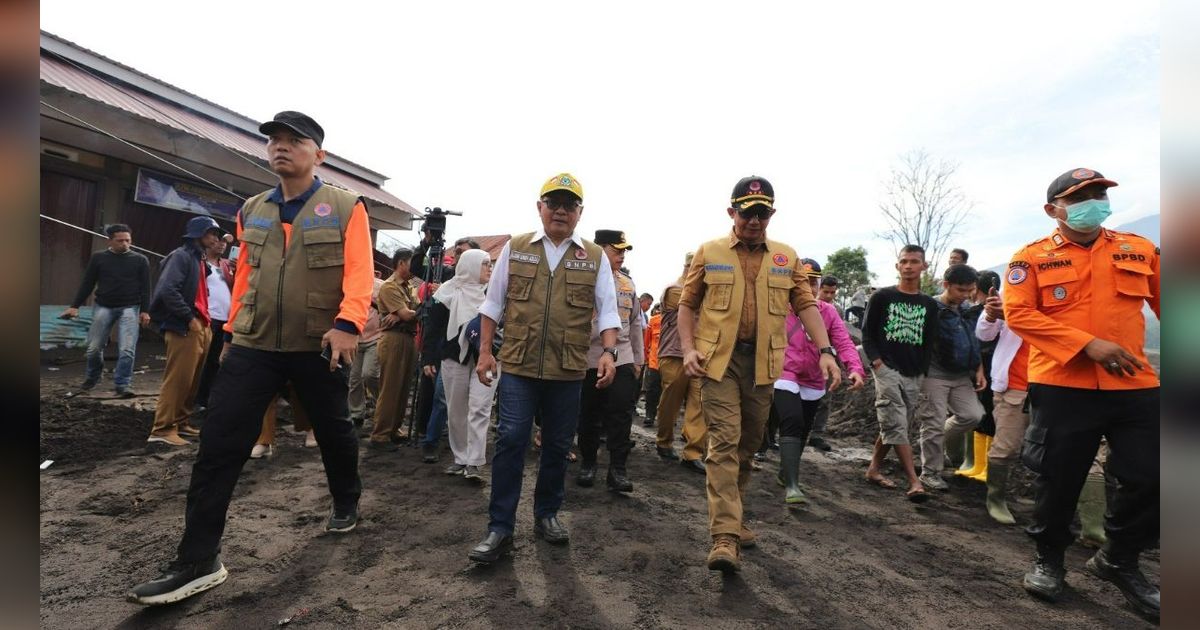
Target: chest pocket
x,y
520,280
255,239
718,291
1059,287
1132,278
323,248
779,288
581,288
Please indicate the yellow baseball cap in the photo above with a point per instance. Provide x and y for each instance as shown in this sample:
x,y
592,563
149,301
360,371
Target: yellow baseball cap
x,y
563,181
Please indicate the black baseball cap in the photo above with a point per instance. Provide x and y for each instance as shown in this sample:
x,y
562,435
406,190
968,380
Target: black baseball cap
x,y
297,123
810,266
199,226
1073,180
752,191
616,238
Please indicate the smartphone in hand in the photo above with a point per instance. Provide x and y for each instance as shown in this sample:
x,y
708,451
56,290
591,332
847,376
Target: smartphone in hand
x,y
327,354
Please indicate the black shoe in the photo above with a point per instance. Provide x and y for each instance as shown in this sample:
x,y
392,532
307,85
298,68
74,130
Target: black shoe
x,y
429,453
124,392
87,385
358,421
552,530
694,465
491,548
617,481
1139,592
819,443
342,520
667,453
648,422
586,476
1048,577
179,581
386,447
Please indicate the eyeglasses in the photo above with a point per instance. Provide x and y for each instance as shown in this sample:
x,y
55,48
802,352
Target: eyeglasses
x,y
757,210
568,205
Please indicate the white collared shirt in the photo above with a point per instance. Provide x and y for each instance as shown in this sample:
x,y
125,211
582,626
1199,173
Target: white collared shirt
x,y
606,288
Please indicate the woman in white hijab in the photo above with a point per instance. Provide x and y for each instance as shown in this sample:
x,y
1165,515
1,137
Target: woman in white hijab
x,y
448,339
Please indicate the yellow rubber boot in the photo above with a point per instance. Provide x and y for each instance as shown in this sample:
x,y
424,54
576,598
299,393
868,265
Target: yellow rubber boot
x,y
982,474
979,450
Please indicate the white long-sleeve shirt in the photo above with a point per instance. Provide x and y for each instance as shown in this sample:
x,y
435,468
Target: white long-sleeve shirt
x,y
606,289
1006,349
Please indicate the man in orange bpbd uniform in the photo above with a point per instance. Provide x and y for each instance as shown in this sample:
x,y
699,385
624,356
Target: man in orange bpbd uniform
x,y
1077,297
742,285
303,286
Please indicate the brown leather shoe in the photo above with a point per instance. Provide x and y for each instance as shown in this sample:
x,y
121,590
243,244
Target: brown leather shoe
x,y
724,556
747,538
168,438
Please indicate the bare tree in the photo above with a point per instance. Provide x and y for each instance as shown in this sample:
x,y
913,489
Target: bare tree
x,y
923,205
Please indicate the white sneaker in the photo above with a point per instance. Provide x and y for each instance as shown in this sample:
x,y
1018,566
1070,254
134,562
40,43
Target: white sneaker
x,y
310,439
262,450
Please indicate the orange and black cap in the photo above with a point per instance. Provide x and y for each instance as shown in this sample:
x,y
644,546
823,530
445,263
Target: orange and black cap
x,y
1073,180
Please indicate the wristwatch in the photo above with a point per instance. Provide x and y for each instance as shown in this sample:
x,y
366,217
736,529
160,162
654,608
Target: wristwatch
x,y
830,350
612,351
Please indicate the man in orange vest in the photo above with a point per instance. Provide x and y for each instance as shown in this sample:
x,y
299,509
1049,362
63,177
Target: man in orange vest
x,y
1077,297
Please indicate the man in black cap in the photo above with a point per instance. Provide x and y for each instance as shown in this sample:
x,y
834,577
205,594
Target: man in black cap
x,y
742,285
180,308
1077,297
286,310
610,408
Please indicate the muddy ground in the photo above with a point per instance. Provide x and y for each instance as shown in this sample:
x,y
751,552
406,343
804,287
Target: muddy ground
x,y
857,557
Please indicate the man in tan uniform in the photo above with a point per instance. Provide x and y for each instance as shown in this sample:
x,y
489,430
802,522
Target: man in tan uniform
x,y
676,385
742,286
397,353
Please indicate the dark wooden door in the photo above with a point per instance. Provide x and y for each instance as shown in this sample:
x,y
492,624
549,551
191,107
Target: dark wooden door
x,y
65,251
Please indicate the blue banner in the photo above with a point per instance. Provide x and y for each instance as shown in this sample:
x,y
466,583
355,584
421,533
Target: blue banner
x,y
176,193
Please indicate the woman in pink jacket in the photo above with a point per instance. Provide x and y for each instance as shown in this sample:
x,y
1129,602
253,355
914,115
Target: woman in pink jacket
x,y
801,385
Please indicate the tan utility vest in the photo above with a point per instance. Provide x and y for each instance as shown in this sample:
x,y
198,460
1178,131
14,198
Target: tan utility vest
x,y
294,295
548,316
721,309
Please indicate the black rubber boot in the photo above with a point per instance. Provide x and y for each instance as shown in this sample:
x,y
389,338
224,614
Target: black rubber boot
x,y
1122,570
1048,577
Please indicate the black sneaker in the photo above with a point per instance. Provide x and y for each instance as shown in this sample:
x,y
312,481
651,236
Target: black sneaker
x,y
87,385
819,443
429,453
125,392
179,581
342,521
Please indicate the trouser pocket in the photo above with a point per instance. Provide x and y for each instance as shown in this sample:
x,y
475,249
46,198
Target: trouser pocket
x,y
1033,451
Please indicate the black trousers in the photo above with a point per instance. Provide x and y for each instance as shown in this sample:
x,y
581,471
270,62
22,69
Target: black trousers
x,y
606,410
246,383
1064,432
653,387
796,415
211,361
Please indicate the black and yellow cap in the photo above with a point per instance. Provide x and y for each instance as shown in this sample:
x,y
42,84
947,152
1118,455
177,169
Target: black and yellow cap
x,y
616,238
563,181
752,191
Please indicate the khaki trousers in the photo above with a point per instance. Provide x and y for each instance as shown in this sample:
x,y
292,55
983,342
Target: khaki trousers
x,y
675,387
181,379
397,357
1011,423
736,411
695,432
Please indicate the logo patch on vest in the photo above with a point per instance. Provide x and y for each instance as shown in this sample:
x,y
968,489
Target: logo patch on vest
x,y
524,257
258,222
584,265
780,260
717,267
581,254
320,222
1060,293
1017,275
323,210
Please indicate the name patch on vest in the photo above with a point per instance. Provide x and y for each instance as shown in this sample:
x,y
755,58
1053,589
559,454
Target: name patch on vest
x,y
257,222
584,265
532,259
781,271
320,222
717,267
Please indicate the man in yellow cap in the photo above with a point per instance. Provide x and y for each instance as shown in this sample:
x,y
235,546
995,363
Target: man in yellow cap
x,y
742,285
546,287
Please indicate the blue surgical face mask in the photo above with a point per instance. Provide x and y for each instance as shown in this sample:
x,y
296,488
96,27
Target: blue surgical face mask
x,y
1088,215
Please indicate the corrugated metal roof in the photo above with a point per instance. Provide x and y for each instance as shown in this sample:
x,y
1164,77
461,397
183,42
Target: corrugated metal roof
x,y
76,79
492,244
54,332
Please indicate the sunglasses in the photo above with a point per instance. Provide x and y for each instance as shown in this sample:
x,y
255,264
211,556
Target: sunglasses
x,y
758,210
570,205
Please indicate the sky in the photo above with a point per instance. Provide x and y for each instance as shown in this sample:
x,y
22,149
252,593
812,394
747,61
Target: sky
x,y
659,108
